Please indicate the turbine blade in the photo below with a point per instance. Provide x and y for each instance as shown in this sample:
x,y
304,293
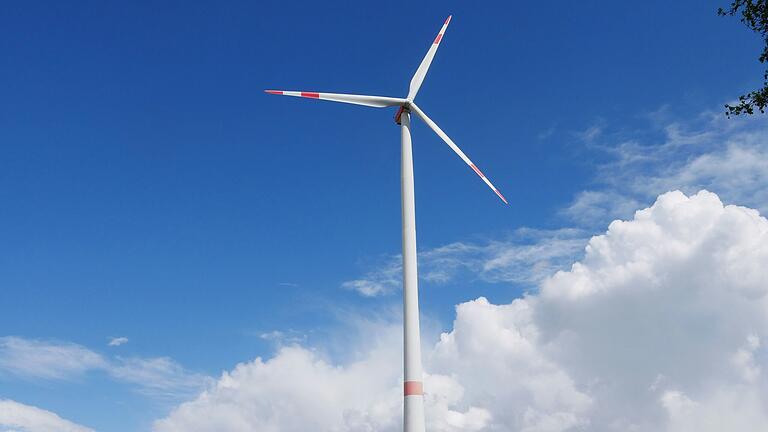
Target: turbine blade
x,y
455,148
421,72
371,101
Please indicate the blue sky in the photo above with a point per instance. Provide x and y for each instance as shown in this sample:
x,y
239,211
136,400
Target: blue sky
x,y
150,190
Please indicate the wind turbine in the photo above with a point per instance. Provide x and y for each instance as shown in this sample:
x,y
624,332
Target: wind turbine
x,y
413,390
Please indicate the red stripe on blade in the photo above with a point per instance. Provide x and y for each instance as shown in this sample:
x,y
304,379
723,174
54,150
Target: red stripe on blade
x,y
501,196
447,20
477,171
310,95
412,388
277,92
437,39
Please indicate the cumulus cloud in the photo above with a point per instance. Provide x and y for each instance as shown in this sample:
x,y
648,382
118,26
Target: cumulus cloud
x,y
664,302
495,353
658,328
17,417
300,389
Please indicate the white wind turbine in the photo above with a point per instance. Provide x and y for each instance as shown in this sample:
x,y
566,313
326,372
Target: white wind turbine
x,y
413,420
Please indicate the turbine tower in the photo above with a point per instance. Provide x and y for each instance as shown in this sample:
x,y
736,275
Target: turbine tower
x,y
413,389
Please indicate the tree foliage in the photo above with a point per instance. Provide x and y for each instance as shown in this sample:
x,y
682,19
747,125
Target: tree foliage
x,y
754,14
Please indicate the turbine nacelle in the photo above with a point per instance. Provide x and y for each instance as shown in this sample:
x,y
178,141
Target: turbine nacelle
x,y
403,108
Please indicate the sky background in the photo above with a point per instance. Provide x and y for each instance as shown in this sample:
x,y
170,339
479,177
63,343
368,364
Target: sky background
x,y
150,189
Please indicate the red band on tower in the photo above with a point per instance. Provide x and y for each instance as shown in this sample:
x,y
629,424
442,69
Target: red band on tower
x,y
413,388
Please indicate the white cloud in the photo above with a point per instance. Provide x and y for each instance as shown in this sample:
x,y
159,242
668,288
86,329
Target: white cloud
x,y
298,390
381,281
47,360
657,328
18,417
527,257
273,335
117,341
726,156
591,206
738,171
287,337
591,133
53,360
158,377
735,408
744,359
675,292
493,351
531,256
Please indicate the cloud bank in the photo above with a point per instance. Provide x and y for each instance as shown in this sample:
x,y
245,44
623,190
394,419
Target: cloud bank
x,y
660,327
